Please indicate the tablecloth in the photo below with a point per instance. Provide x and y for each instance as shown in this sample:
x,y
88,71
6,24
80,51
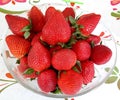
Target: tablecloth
x,y
109,9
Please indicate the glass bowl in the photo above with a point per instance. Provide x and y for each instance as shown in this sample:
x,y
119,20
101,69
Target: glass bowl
x,y
100,74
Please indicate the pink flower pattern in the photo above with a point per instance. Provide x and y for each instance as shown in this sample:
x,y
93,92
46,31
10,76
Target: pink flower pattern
x,y
3,2
115,2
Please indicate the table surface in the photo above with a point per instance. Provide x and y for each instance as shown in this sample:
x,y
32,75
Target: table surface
x,y
110,11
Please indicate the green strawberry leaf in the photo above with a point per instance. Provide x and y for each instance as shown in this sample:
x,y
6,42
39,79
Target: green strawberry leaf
x,y
111,79
37,73
118,84
76,69
72,20
78,63
26,29
28,71
32,79
101,43
26,35
18,61
57,91
59,74
92,44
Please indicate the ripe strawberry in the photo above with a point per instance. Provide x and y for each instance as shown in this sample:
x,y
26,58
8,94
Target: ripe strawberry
x,y
56,29
17,23
68,11
70,82
47,80
82,49
87,71
39,57
18,46
49,12
64,59
37,19
23,66
89,23
36,38
101,54
93,38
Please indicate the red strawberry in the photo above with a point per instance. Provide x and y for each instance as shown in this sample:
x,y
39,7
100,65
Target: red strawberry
x,y
82,49
87,71
39,57
18,46
36,38
101,54
24,66
56,29
68,11
70,82
64,59
49,12
89,22
37,19
47,80
17,23
93,38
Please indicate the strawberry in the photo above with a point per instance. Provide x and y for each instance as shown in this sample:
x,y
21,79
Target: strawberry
x,y
17,24
68,11
17,45
101,54
47,80
49,12
93,38
89,23
56,29
87,71
23,66
70,82
64,59
36,38
82,49
39,57
37,19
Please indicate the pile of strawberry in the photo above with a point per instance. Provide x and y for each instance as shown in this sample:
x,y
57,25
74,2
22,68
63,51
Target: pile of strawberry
x,y
58,49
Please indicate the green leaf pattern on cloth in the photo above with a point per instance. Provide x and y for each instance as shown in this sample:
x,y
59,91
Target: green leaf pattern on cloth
x,y
115,76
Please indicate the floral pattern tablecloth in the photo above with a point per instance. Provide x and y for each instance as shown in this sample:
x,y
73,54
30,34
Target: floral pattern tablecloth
x,y
109,9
